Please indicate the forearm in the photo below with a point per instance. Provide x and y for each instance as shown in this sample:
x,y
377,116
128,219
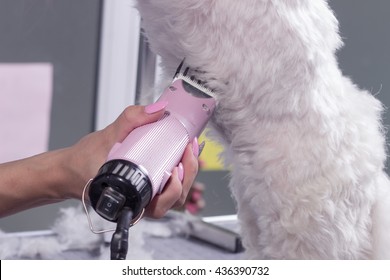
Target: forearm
x,y
34,181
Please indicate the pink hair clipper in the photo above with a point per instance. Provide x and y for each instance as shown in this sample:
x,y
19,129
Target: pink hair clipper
x,y
138,168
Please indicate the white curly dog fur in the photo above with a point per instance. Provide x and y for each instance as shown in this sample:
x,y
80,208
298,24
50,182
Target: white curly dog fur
x,y
305,145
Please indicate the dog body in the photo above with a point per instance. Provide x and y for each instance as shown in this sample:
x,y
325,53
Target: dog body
x,y
305,145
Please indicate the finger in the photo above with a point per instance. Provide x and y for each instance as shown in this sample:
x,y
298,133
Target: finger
x,y
195,201
195,195
198,187
195,208
175,192
161,203
191,166
135,116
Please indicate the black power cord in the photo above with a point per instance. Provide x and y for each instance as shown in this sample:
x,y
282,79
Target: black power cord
x,y
120,238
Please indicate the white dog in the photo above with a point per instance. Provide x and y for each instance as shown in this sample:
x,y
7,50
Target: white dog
x,y
306,146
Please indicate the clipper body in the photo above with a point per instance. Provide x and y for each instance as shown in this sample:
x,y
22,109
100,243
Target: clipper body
x,y
138,168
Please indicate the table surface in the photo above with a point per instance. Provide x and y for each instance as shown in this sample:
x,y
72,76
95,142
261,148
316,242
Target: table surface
x,y
175,247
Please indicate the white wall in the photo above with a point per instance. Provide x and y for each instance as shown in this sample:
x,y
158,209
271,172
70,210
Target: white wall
x,y
118,60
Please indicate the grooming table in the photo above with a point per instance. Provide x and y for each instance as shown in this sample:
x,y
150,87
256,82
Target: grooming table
x,y
193,249
161,248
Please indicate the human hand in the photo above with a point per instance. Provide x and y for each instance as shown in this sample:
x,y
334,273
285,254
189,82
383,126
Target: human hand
x,y
90,153
195,201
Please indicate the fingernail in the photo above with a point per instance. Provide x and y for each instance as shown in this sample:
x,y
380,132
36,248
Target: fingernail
x,y
180,171
195,147
155,107
196,195
201,147
192,208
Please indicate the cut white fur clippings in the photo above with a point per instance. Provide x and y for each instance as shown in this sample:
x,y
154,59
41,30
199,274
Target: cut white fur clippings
x,y
305,145
71,234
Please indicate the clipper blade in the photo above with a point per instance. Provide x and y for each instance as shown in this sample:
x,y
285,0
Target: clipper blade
x,y
188,74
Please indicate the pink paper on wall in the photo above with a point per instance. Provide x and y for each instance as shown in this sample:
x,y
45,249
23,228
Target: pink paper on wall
x,y
25,104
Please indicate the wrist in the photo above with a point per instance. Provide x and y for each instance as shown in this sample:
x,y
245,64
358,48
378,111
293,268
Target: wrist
x,y
68,174
56,177
52,169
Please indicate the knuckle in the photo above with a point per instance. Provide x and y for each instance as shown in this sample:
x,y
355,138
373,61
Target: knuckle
x,y
129,113
159,213
181,201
